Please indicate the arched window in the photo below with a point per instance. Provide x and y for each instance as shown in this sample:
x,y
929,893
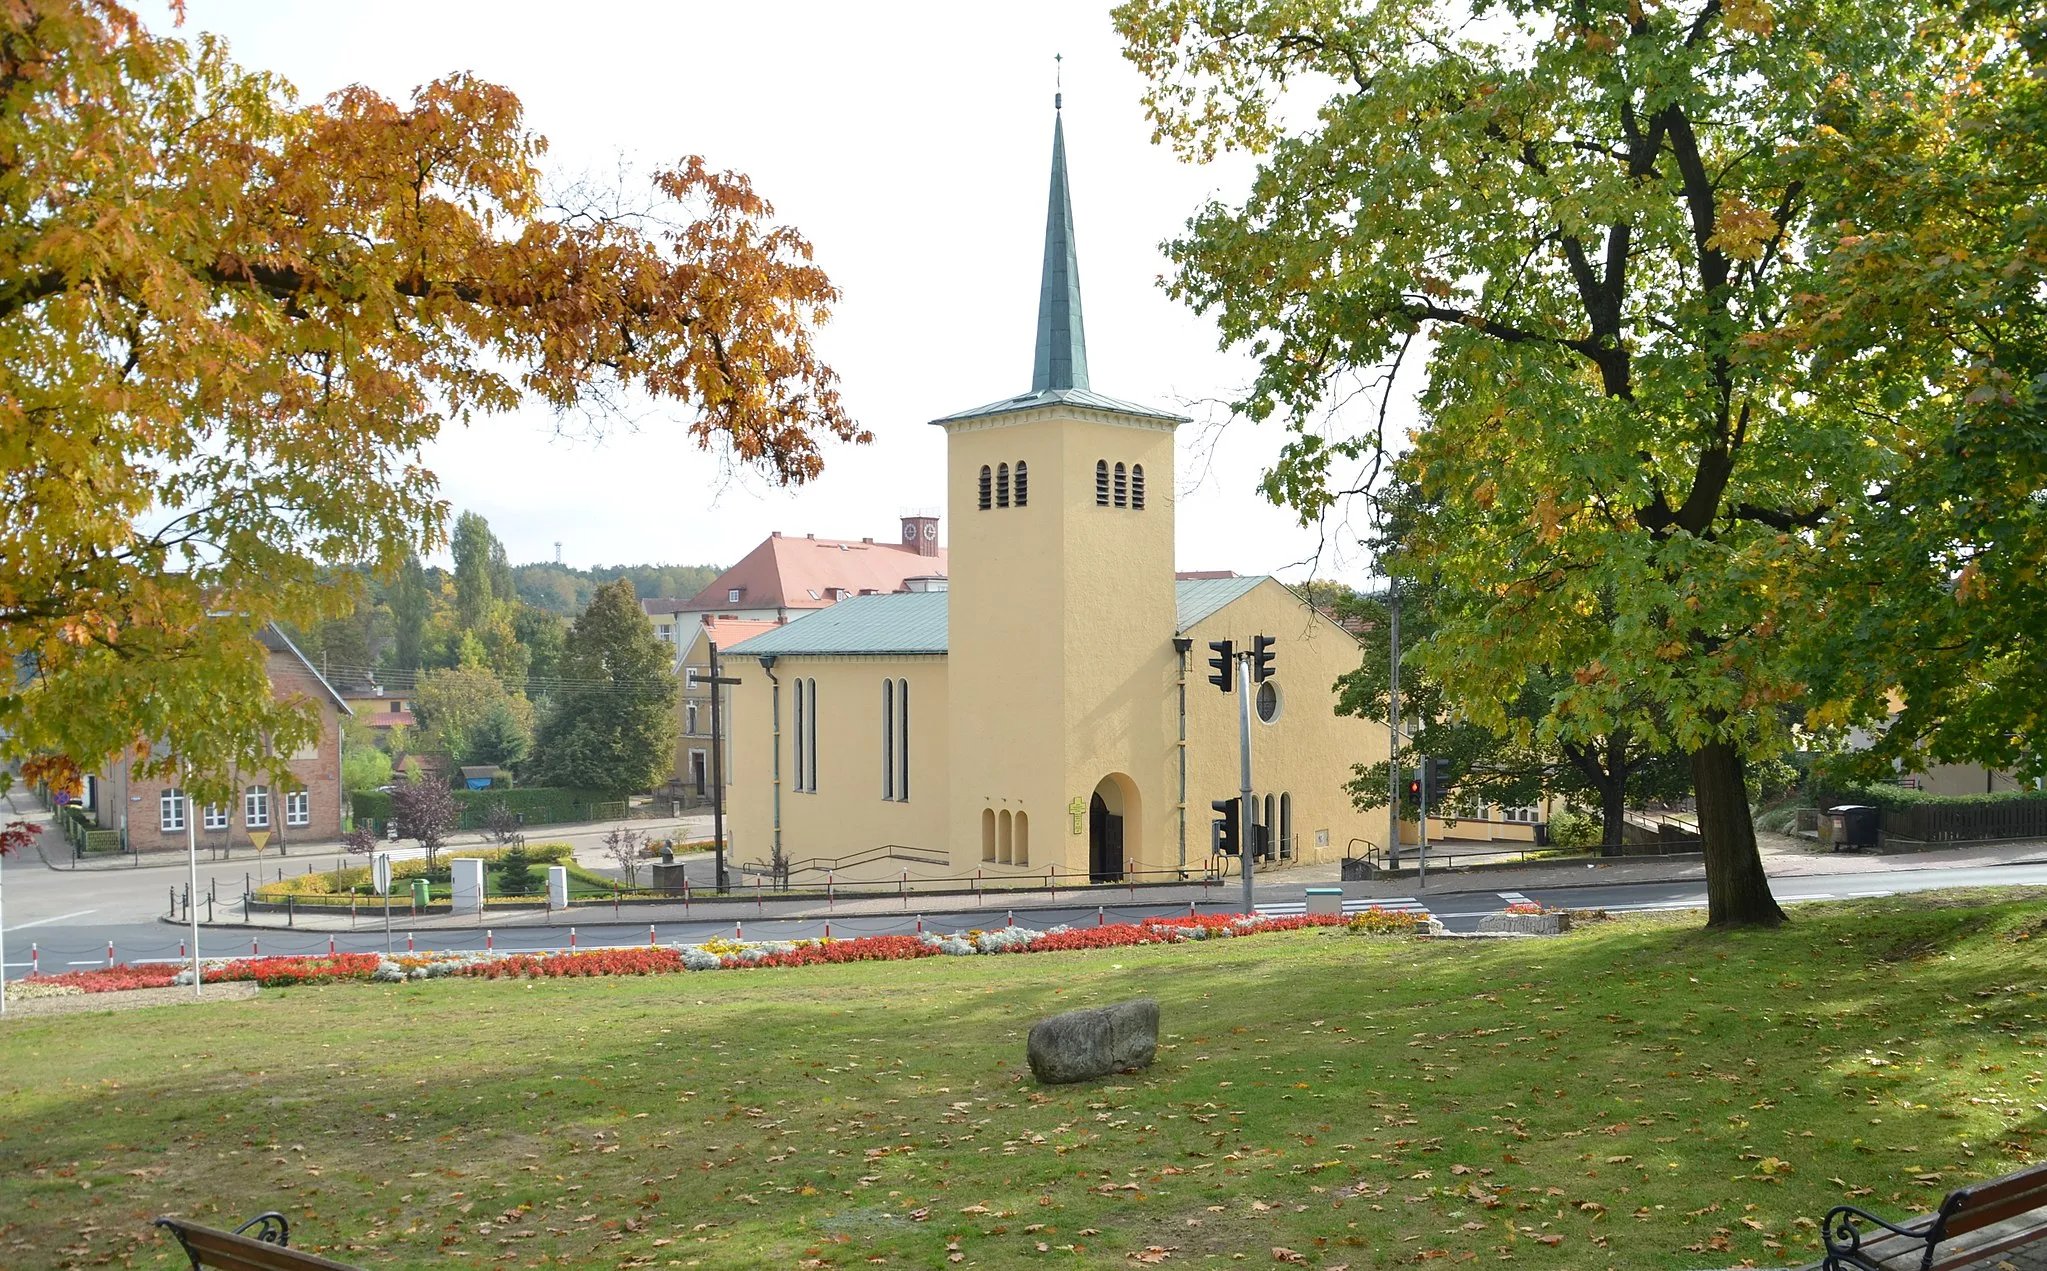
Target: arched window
x,y
1002,486
987,834
888,739
1137,485
1101,483
902,739
987,488
1023,483
1271,824
1122,487
1005,839
1023,839
810,686
1286,826
806,734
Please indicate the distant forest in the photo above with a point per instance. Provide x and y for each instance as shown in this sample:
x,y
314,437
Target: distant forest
x,y
566,590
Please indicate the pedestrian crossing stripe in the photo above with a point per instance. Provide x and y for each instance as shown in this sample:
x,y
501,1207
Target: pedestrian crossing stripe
x,y
1514,898
1391,904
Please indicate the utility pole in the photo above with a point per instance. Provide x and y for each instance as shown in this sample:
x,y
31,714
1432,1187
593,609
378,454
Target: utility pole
x,y
717,683
1248,839
192,859
1393,735
1421,821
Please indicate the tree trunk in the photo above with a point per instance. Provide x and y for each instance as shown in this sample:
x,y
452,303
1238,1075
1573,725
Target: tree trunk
x,y
1737,890
1613,794
1613,809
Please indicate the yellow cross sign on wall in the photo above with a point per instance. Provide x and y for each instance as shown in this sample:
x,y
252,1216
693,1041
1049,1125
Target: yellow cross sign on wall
x,y
1078,811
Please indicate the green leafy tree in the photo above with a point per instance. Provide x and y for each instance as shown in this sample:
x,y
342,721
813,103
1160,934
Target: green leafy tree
x,y
1930,320
363,765
1592,221
544,635
613,723
455,707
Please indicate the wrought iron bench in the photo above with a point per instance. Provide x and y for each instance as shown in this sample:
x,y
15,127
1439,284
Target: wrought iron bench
x,y
266,1250
1973,1224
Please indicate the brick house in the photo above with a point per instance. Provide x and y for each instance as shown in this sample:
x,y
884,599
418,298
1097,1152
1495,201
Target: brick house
x,y
151,811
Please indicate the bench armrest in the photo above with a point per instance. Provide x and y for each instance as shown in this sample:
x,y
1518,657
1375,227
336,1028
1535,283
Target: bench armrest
x,y
1843,1240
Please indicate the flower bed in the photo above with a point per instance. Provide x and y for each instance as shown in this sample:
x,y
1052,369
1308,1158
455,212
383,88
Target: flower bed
x,y
711,955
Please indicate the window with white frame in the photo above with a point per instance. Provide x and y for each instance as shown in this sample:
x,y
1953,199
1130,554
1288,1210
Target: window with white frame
x,y
214,817
1527,815
256,808
298,808
170,811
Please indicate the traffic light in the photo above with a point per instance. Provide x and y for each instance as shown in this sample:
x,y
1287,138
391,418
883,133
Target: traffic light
x,y
1439,778
1225,826
1261,658
1223,672
1414,788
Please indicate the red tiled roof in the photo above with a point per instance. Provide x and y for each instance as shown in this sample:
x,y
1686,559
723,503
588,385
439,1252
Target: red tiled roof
x,y
730,631
782,573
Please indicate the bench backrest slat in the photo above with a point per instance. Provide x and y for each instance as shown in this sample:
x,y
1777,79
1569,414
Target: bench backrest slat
x,y
1984,1204
230,1252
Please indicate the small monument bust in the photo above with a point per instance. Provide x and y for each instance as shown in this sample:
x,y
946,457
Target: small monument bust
x,y
668,853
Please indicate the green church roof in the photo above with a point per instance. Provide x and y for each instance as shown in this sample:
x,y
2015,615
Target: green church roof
x,y
1059,368
905,623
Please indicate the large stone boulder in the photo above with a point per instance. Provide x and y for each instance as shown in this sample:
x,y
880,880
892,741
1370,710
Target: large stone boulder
x,y
1088,1044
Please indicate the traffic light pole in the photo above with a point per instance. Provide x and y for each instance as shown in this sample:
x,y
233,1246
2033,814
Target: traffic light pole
x,y
1422,823
1247,838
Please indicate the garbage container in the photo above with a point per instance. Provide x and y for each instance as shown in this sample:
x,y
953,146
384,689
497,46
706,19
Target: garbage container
x,y
419,892
1325,900
1855,826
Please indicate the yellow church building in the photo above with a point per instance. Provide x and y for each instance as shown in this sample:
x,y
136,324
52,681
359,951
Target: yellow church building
x,y
1047,712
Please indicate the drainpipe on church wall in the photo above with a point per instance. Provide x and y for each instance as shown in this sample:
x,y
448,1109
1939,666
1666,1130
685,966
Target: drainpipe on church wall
x,y
775,781
1181,644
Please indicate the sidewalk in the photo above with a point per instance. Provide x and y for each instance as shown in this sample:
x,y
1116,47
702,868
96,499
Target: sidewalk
x,y
745,904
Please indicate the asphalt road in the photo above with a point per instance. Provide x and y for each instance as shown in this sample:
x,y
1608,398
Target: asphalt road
x,y
70,918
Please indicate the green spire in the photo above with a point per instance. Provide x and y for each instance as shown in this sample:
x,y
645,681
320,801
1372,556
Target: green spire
x,y
1062,341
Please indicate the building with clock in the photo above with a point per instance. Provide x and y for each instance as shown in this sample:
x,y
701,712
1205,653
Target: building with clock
x,y
1034,700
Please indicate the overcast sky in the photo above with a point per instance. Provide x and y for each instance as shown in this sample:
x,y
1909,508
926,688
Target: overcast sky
x,y
911,143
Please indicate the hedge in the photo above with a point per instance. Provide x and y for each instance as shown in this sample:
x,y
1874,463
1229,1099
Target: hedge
x,y
540,804
1891,797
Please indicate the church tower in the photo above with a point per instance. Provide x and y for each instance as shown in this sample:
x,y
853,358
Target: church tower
x,y
1061,617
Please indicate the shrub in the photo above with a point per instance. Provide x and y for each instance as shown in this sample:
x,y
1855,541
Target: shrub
x,y
515,873
1571,828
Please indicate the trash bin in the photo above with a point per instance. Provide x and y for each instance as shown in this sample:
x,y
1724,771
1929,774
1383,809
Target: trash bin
x,y
1855,826
1325,900
419,892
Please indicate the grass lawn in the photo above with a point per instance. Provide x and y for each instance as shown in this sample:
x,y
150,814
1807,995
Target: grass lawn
x,y
1639,1094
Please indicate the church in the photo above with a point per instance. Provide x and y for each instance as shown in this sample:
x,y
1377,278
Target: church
x,y
1044,709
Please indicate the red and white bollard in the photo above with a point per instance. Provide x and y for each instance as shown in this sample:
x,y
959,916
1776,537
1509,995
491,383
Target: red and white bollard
x,y
920,924
1100,919
408,942
1011,913
35,961
572,937
490,940
757,910
110,953
685,893
738,929
1190,910
255,950
181,950
650,934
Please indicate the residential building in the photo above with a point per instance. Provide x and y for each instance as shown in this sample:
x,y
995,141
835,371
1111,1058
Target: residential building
x,y
152,813
376,707
1047,710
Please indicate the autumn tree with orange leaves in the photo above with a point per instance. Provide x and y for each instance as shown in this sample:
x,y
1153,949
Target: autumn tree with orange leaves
x,y
231,321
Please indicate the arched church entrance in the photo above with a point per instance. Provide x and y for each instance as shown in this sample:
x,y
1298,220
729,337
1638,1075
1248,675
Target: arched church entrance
x,y
1111,822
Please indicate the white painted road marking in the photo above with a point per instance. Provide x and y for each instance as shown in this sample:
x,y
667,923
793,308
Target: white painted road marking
x,y
45,921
